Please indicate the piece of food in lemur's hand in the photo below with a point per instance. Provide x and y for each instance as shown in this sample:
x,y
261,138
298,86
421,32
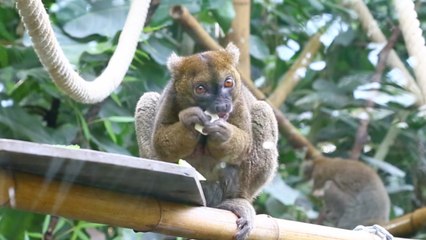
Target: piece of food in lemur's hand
x,y
200,128
231,155
352,192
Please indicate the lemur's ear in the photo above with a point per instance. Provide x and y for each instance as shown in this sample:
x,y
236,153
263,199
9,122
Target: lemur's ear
x,y
173,62
234,52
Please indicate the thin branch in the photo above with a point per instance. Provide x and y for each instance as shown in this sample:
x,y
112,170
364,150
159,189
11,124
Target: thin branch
x,y
389,138
362,132
193,27
48,235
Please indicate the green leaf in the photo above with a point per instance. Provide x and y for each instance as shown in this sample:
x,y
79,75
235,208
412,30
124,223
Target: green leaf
x,y
224,14
159,49
120,119
345,38
103,18
84,224
33,235
23,125
14,223
110,131
108,146
258,48
46,223
84,126
9,20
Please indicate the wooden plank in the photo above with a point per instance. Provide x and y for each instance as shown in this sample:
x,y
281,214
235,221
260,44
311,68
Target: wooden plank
x,y
103,170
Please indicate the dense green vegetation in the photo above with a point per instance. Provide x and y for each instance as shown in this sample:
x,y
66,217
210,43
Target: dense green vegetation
x,y
325,105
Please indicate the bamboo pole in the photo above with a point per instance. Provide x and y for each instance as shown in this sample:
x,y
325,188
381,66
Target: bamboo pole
x,y
407,224
240,34
292,77
36,194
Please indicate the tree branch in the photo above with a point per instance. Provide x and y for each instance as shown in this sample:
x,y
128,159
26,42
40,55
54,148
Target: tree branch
x,y
362,131
193,27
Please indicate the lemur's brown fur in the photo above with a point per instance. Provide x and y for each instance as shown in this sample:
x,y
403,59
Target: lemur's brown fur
x,y
239,151
353,193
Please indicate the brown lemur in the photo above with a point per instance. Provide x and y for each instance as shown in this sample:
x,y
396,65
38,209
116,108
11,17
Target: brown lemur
x,y
237,153
352,192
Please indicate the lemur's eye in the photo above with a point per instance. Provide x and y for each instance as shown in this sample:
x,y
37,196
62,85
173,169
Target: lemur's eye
x,y
200,89
229,82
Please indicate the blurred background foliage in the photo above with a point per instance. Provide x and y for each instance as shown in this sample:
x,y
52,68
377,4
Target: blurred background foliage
x,y
325,105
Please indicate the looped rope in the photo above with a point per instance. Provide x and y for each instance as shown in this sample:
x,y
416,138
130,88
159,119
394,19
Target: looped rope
x,y
413,37
377,230
36,21
373,31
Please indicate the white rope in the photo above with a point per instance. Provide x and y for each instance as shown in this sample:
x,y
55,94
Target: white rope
x,y
36,21
375,34
414,41
377,230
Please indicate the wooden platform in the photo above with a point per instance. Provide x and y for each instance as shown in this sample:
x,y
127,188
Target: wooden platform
x,y
103,170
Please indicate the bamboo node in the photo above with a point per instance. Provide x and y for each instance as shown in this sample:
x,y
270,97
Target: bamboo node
x,y
7,189
176,12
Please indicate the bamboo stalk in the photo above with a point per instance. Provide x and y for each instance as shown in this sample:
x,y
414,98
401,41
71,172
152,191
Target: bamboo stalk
x,y
240,34
36,194
407,224
292,77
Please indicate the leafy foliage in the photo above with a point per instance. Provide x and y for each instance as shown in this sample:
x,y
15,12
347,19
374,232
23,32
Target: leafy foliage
x,y
325,105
